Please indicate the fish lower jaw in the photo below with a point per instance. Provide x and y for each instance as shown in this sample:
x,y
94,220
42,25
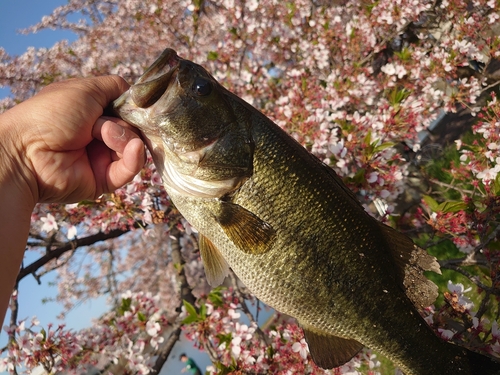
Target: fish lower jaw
x,y
193,187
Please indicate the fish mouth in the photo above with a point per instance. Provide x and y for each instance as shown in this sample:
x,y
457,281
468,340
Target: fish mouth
x,y
155,80
150,87
133,105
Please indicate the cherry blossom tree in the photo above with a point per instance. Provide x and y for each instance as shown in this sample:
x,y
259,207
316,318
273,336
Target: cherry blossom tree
x,y
398,97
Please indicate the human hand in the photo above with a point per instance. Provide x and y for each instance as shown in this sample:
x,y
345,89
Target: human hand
x,y
63,149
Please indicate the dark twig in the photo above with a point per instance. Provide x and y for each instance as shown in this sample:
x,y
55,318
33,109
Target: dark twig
x,y
186,294
14,312
463,262
57,252
472,278
165,350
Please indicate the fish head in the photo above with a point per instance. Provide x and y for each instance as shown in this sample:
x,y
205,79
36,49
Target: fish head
x,y
198,143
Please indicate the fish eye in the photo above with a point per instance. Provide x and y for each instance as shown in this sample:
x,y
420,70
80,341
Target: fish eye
x,y
202,87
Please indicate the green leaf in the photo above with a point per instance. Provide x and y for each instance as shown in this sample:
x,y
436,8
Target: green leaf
x,y
270,351
369,7
203,311
304,83
225,338
190,319
125,306
141,317
452,206
215,296
368,138
433,205
383,146
191,310
223,370
446,207
404,54
359,178
178,267
192,313
396,96
44,334
212,55
496,185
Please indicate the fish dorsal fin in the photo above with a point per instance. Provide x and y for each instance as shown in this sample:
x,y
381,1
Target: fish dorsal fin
x,y
329,351
216,268
247,231
411,262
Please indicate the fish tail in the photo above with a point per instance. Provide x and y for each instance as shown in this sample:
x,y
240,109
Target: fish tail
x,y
482,364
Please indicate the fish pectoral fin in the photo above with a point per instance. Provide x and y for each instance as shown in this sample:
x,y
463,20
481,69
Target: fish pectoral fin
x,y
329,351
411,262
216,268
247,231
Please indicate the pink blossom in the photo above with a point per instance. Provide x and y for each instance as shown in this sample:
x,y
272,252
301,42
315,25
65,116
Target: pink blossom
x,y
301,347
446,333
460,290
152,328
49,223
72,231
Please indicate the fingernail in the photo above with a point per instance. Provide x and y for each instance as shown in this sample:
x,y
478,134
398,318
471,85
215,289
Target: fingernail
x,y
116,131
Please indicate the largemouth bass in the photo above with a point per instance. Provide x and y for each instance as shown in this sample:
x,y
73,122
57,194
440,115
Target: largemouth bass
x,y
287,225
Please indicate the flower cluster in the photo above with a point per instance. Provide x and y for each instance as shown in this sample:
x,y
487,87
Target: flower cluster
x,y
226,328
482,158
473,330
51,348
126,338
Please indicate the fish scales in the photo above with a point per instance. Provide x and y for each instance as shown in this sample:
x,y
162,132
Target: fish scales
x,y
312,285
286,224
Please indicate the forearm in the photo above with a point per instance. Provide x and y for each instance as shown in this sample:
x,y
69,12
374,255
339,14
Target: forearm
x,y
14,228
16,205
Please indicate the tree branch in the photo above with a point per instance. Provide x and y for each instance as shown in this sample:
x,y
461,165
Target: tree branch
x,y
72,245
473,278
185,290
14,312
186,294
440,183
166,349
467,261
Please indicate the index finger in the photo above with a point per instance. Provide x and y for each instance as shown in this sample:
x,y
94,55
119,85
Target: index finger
x,y
103,89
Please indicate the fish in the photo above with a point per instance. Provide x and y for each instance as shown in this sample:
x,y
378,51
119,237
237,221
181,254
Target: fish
x,y
287,226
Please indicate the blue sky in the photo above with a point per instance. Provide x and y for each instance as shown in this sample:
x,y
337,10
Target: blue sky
x,y
19,14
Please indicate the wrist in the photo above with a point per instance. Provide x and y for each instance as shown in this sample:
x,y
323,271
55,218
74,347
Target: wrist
x,y
17,181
